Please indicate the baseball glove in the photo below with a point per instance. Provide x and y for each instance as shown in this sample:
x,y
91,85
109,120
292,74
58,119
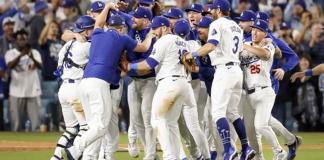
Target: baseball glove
x,y
190,64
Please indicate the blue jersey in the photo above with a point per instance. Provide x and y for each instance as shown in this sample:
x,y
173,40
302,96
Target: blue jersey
x,y
193,35
206,72
139,36
3,67
289,55
105,52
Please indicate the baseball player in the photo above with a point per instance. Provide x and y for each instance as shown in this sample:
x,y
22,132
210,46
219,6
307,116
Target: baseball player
x,y
142,87
319,69
256,60
224,43
100,73
277,74
72,59
173,89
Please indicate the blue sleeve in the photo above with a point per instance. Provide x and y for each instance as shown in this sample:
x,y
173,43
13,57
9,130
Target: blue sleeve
x,y
128,20
11,12
129,43
3,65
97,31
290,56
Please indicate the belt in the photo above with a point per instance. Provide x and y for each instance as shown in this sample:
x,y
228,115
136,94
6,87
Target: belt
x,y
71,80
250,91
227,64
170,76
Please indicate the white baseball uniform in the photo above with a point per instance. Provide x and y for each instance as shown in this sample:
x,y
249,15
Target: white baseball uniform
x,y
260,96
173,90
68,92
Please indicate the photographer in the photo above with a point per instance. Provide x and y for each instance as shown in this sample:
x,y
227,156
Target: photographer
x,y
24,89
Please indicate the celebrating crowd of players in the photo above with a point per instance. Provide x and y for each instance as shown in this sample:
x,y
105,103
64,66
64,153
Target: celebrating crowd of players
x,y
193,76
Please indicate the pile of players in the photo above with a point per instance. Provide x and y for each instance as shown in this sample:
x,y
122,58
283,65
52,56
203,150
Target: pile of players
x,y
192,76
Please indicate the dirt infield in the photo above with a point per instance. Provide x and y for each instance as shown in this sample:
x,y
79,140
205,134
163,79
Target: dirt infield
x,y
37,146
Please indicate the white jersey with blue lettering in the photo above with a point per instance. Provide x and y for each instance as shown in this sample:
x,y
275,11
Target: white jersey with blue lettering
x,y
256,71
79,54
229,39
167,51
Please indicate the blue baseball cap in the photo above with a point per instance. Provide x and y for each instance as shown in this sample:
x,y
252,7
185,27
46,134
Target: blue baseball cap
x,y
174,13
142,12
195,7
97,6
247,15
116,20
263,16
147,2
284,25
40,5
223,5
182,27
83,23
261,24
160,21
204,22
69,3
301,3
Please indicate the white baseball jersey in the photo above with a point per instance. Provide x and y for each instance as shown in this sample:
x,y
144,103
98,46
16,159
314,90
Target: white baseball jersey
x,y
79,53
256,71
167,51
229,38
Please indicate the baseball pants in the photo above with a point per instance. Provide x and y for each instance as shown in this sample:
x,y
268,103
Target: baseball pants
x,y
140,95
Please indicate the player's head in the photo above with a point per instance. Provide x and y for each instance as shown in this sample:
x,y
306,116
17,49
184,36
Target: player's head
x,y
141,18
203,27
96,8
84,25
194,13
160,26
263,16
70,7
146,3
181,28
173,14
246,20
117,22
220,8
259,30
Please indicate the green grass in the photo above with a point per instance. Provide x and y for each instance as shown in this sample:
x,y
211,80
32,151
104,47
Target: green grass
x,y
312,148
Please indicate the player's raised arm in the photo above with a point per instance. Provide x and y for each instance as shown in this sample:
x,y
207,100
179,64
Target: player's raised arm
x,y
310,72
145,45
101,19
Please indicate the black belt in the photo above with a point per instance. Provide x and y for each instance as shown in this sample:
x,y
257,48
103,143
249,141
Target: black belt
x,y
228,64
70,80
250,91
170,76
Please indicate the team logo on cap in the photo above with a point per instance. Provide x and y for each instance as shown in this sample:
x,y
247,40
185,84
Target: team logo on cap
x,y
170,11
99,4
258,23
258,15
192,6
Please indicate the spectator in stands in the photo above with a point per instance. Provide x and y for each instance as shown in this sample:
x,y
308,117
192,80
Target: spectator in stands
x,y
276,18
23,62
56,10
242,6
71,12
315,46
285,33
305,91
7,39
298,8
3,75
50,45
37,23
304,34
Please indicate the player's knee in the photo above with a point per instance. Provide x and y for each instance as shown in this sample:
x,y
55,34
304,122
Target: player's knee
x,y
77,106
259,127
232,117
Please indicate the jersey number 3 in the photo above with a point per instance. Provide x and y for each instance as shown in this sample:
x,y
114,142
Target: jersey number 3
x,y
255,69
236,42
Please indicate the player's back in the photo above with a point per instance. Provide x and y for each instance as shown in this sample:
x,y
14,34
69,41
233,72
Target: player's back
x,y
256,71
78,54
229,39
173,46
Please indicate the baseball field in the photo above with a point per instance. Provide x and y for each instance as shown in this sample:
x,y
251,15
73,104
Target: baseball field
x,y
39,146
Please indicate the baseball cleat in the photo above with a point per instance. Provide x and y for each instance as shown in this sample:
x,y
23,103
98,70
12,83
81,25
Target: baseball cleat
x,y
247,154
72,153
280,155
133,150
293,148
213,155
231,155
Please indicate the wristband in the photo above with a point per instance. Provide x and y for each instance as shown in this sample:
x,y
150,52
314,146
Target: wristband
x,y
133,66
194,54
309,73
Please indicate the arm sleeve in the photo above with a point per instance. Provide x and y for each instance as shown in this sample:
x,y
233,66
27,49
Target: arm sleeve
x,y
214,33
37,56
270,48
290,56
130,44
11,12
61,53
128,19
158,51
